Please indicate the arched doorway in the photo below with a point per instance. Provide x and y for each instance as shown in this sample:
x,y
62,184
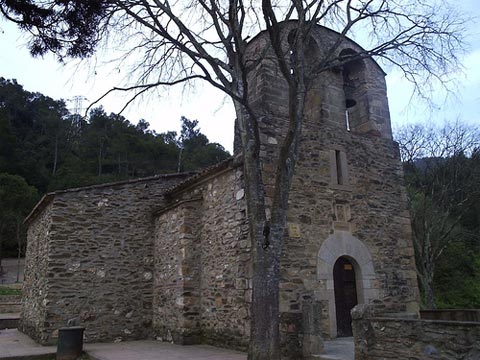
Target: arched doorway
x,y
342,244
345,295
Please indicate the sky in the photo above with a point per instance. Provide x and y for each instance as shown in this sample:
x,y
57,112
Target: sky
x,y
214,111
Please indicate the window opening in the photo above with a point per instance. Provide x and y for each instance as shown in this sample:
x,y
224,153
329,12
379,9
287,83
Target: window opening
x,y
349,89
338,164
352,72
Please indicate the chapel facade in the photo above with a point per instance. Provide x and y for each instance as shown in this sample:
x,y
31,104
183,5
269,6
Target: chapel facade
x,y
169,256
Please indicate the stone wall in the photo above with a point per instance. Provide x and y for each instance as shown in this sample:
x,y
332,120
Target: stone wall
x,y
34,300
451,314
202,261
94,264
328,220
385,338
176,303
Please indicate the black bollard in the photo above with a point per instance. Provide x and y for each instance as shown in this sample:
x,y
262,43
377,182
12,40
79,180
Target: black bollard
x,y
70,342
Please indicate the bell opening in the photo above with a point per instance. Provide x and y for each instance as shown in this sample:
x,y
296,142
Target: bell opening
x,y
350,103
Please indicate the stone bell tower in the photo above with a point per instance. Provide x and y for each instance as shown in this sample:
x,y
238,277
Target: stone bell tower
x,y
348,240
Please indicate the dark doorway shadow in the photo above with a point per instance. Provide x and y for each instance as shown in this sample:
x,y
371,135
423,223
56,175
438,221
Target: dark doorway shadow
x,y
345,295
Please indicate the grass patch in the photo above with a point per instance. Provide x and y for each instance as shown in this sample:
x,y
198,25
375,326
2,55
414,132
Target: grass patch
x,y
5,290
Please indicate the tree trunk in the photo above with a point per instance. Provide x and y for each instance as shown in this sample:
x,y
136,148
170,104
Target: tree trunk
x,y
427,284
265,322
264,317
179,163
429,296
55,156
267,234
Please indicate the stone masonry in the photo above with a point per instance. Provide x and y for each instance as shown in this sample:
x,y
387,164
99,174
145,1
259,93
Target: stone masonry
x,y
90,260
383,337
169,256
205,280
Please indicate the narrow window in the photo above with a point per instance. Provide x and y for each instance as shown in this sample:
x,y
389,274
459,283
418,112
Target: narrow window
x,y
349,90
338,164
338,167
353,87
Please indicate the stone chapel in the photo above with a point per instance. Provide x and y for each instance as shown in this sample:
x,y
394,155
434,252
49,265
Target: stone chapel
x,y
168,256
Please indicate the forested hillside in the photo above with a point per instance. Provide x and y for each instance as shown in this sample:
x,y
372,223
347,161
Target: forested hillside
x,y
43,147
442,173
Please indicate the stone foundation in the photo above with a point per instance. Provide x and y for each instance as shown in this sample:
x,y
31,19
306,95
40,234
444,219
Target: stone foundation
x,y
383,338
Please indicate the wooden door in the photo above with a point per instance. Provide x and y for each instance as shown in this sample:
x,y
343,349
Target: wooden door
x,y
345,295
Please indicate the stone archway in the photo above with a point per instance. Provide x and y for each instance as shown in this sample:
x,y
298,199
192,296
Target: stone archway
x,y
343,244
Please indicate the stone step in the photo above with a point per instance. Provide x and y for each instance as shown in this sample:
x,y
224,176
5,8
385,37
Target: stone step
x,y
9,321
328,357
10,307
10,298
17,346
338,349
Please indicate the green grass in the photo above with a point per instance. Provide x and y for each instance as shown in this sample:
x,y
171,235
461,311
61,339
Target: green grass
x,y
5,290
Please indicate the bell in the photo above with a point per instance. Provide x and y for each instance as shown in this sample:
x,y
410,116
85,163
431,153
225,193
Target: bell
x,y
350,103
349,91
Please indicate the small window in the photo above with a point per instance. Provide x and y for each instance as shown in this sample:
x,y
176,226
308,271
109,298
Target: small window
x,y
353,87
310,51
339,169
338,164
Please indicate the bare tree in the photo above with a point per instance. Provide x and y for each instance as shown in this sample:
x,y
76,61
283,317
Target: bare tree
x,y
439,197
422,141
184,41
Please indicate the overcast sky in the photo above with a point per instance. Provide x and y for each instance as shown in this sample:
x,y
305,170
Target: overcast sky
x,y
214,112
